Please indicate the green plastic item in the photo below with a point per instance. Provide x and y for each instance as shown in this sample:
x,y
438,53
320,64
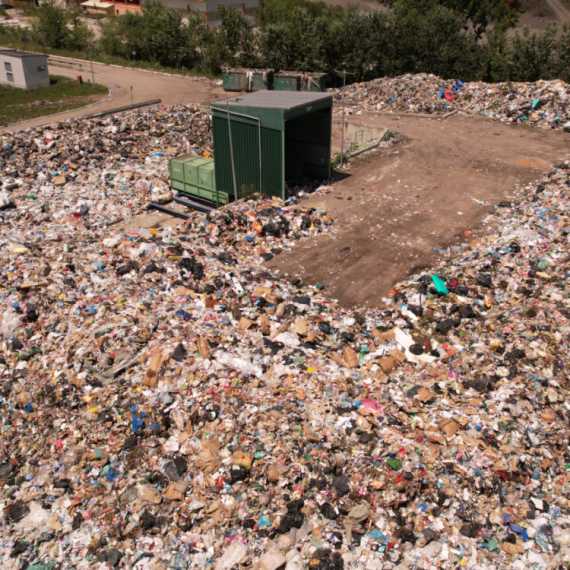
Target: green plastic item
x,y
492,544
439,285
394,463
114,556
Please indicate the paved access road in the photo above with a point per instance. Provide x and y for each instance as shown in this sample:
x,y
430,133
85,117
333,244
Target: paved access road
x,y
146,86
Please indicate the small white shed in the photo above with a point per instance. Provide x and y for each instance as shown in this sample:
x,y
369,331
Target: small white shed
x,y
23,69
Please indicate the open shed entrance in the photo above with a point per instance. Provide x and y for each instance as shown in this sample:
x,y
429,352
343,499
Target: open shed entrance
x,y
307,146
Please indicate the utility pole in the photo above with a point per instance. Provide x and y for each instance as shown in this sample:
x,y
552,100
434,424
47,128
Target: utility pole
x,y
89,48
231,150
344,74
131,95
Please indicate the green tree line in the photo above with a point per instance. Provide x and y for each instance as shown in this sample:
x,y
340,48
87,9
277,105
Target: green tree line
x,y
465,39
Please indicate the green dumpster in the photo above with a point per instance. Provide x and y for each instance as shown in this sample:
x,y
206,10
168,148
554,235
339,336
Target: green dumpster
x,y
176,184
286,81
191,169
262,80
176,165
191,189
206,176
316,82
238,79
234,80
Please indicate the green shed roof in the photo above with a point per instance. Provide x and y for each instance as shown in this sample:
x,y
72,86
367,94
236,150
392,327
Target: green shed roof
x,y
272,108
284,100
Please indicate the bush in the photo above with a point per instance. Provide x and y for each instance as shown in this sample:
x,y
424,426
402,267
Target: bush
x,y
58,28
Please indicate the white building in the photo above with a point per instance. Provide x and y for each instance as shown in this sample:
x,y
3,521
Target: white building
x,y
23,69
210,7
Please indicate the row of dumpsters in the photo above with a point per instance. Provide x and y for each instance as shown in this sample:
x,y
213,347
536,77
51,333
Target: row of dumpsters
x,y
248,80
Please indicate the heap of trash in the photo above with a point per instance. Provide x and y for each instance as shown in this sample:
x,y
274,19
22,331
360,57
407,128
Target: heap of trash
x,y
545,103
166,402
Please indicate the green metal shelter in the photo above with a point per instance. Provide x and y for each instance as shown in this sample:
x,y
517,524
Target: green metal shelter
x,y
263,140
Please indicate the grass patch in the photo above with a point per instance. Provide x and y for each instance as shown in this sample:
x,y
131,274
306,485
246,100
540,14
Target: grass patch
x,y
336,161
388,135
62,95
6,39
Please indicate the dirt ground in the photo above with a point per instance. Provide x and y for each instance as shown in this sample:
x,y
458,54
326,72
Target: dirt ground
x,y
397,206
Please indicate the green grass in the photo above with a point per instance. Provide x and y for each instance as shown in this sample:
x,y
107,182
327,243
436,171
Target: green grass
x,y
62,95
7,39
388,135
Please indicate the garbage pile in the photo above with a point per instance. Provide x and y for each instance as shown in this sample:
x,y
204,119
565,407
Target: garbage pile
x,y
544,103
406,94
165,402
114,165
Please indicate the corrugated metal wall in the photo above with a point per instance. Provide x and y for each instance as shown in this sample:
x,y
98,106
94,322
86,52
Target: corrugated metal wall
x,y
245,140
272,153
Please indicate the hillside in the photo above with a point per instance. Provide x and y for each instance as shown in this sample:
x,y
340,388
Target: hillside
x,y
537,13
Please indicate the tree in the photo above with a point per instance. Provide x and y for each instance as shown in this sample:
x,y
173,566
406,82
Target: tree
x,y
533,55
477,15
50,26
275,12
201,36
563,51
482,13
157,35
112,38
234,41
166,41
77,31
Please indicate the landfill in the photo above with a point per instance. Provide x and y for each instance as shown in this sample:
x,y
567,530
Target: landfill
x,y
545,104
166,402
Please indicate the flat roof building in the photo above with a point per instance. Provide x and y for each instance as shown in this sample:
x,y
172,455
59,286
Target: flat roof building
x,y
208,7
95,7
276,137
23,69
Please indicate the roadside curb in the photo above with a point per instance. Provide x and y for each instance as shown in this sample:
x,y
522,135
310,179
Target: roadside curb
x,y
123,109
433,117
163,73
